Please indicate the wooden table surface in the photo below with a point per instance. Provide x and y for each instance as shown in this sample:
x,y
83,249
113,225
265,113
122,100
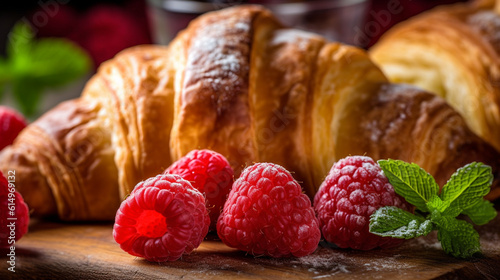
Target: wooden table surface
x,y
54,250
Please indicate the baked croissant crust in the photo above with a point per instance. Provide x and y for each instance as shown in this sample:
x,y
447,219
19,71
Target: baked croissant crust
x,y
453,51
238,82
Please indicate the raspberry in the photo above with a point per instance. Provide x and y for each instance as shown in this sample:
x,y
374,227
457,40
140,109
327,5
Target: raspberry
x,y
266,213
105,30
61,21
11,123
163,218
354,188
14,214
210,173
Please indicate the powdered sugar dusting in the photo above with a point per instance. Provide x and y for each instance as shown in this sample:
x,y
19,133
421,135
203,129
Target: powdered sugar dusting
x,y
323,266
293,36
218,61
224,65
320,261
425,243
243,27
327,262
323,263
385,264
376,133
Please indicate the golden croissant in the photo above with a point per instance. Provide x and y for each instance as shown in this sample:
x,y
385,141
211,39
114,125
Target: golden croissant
x,y
452,51
238,82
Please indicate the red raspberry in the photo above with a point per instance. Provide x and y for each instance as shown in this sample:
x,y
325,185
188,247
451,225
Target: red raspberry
x,y
210,173
105,30
352,191
60,20
14,218
163,218
11,123
266,213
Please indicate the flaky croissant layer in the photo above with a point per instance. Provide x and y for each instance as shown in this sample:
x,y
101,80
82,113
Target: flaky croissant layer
x,y
238,82
453,51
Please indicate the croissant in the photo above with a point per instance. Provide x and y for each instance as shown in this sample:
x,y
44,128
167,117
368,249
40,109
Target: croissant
x,y
452,51
238,82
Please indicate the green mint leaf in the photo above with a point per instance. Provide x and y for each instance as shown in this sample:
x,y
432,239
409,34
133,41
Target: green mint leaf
x,y
27,95
466,187
436,204
4,76
55,62
458,237
35,65
20,39
4,71
411,182
398,223
481,213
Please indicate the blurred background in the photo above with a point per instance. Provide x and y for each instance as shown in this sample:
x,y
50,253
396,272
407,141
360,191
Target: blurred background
x,y
97,30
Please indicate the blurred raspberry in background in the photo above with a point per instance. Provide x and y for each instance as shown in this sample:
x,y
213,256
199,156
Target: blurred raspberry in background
x,y
56,21
102,29
105,30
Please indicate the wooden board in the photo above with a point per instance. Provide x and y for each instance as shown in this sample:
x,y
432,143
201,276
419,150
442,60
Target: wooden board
x,y
83,251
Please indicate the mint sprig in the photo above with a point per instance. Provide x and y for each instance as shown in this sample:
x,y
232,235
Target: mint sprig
x,y
462,194
411,182
457,237
396,222
34,65
468,185
480,213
